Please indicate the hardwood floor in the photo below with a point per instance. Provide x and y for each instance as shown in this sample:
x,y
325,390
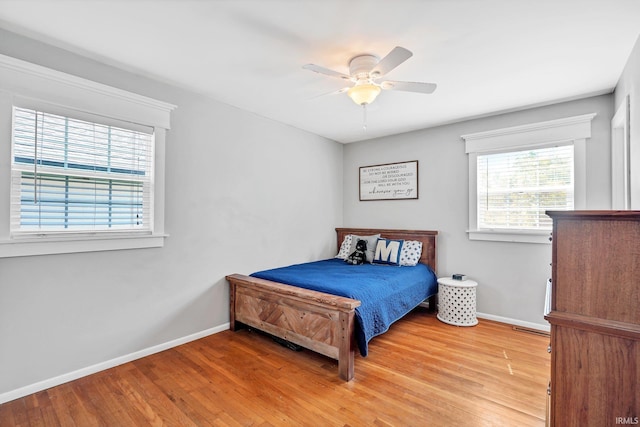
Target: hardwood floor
x,y
421,372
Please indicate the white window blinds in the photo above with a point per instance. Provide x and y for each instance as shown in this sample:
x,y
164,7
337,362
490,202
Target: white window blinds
x,y
70,175
516,188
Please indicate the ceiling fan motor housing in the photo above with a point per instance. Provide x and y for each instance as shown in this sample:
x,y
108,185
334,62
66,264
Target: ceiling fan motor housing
x,y
361,65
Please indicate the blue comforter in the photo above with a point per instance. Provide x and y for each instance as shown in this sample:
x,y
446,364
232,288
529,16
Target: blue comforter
x,y
386,292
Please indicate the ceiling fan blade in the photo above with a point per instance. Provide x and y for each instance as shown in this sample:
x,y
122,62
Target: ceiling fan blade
x,y
322,70
394,58
334,92
409,86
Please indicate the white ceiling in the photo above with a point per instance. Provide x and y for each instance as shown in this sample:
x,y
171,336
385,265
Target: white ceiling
x,y
486,56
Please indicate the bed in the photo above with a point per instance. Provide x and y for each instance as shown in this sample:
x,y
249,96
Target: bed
x,y
327,323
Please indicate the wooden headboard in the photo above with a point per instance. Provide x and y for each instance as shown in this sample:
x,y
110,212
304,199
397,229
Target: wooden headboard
x,y
427,237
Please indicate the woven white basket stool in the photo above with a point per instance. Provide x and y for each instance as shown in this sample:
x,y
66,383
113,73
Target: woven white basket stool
x,y
457,302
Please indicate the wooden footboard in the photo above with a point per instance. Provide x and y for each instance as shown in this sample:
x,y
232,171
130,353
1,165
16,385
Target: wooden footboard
x,y
321,322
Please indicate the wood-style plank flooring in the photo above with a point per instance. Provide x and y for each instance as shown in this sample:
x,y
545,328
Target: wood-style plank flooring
x,y
420,373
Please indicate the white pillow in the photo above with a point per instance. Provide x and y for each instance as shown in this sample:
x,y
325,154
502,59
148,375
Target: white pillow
x,y
410,253
345,247
371,245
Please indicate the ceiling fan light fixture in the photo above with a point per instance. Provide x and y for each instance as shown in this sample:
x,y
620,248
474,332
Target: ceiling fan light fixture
x,y
363,94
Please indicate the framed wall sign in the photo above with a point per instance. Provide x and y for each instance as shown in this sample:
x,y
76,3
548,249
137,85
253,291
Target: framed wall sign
x,y
391,181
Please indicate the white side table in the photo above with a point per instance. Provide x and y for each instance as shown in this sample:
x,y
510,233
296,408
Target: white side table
x,y
457,301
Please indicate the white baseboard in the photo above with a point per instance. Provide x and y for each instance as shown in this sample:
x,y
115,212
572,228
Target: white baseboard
x,y
507,320
61,379
515,322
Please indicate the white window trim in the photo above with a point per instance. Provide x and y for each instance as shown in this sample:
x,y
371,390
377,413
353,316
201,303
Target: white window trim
x,y
620,159
20,80
572,130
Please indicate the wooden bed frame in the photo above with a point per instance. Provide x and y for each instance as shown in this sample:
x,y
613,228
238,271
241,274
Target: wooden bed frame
x,y
318,321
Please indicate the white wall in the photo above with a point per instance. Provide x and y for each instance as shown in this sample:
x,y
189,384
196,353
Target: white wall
x,y
511,276
629,84
242,193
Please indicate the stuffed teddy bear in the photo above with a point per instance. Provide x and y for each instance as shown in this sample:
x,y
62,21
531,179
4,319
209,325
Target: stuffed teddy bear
x,y
359,255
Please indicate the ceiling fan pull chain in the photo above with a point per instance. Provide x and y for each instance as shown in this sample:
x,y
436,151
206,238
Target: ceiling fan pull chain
x,y
364,117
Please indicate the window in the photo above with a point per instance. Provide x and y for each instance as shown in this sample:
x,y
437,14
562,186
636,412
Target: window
x,y
72,175
516,174
84,169
516,188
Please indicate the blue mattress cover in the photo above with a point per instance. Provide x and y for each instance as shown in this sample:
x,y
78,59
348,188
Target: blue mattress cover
x,y
386,292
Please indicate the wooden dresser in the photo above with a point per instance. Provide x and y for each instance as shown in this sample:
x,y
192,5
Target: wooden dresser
x,y
595,318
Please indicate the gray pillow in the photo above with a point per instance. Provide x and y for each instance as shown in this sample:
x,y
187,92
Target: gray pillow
x,y
371,245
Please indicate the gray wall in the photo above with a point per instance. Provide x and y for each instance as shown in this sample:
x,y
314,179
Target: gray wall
x,y
242,193
511,276
629,84
245,193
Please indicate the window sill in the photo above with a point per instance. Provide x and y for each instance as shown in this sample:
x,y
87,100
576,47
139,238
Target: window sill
x,y
524,236
31,246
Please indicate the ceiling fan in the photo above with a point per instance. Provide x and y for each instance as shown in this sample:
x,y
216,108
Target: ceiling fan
x,y
365,72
